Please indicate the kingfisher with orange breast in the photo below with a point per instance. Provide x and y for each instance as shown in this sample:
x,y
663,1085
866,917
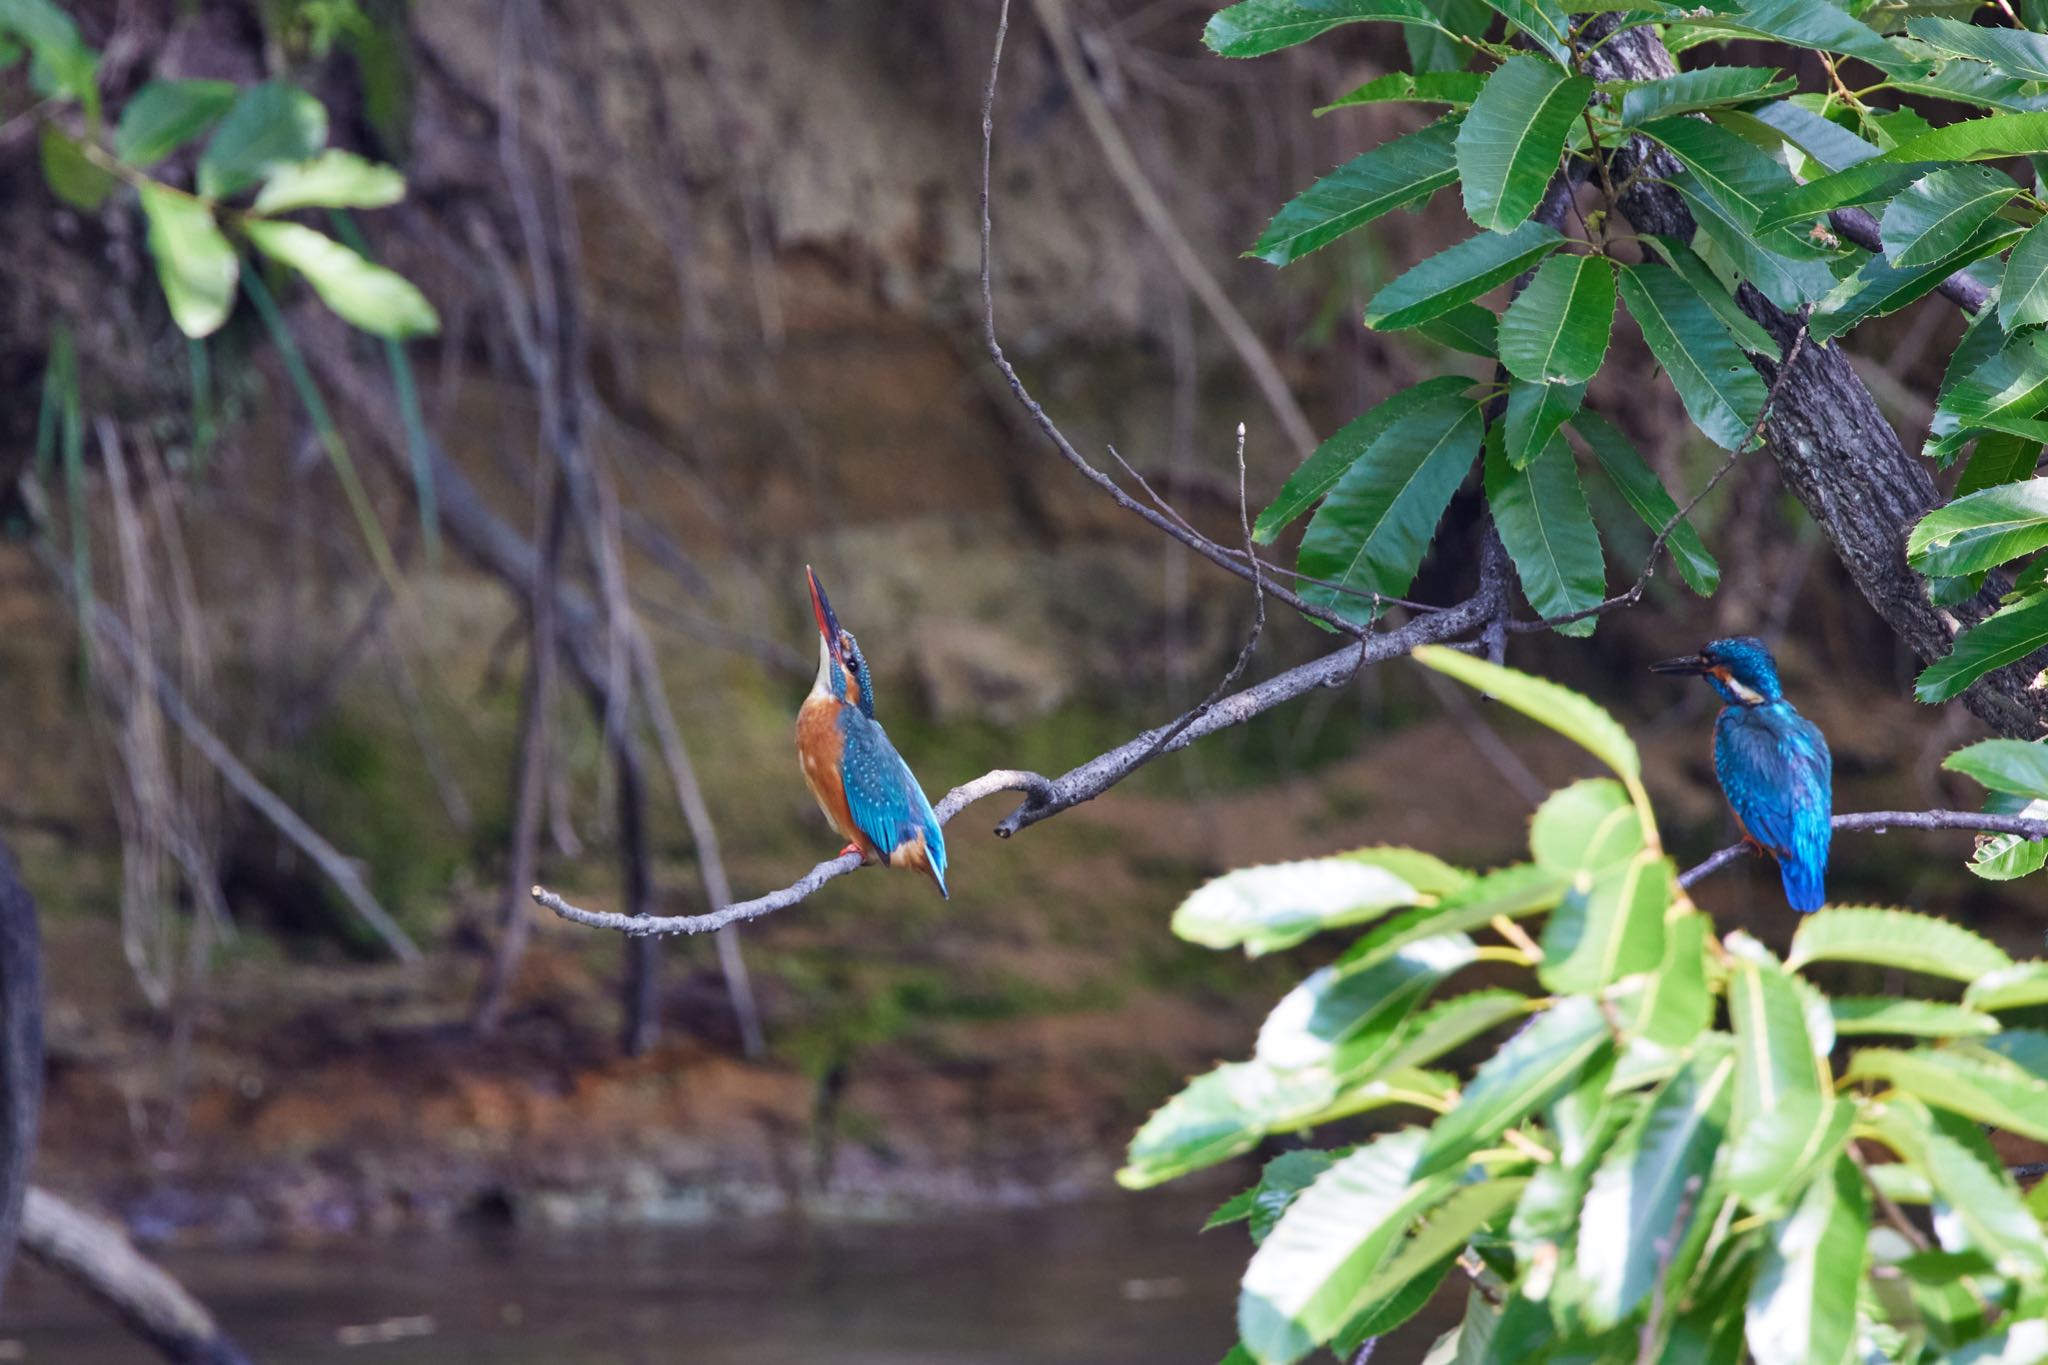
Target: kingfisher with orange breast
x,y
1773,763
859,780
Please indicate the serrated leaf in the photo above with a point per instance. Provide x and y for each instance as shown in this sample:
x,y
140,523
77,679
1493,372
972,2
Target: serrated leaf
x,y
1608,928
334,179
1879,287
1450,1024
1383,1317
1514,892
2015,766
269,125
1557,328
69,173
1931,219
1650,1188
1894,938
1390,176
1780,1149
164,115
1999,459
1988,1091
2006,857
1455,88
2012,382
1425,872
1981,1197
1748,333
1530,1069
1734,259
1264,909
1257,27
1642,490
2023,296
1459,274
1303,1283
1376,522
1981,139
1981,530
1802,1304
2017,53
1468,328
1778,1074
195,264
2016,987
1813,24
1543,521
1589,826
365,294
1281,1182
1512,139
1676,1007
2007,636
1737,177
1576,717
1722,393
1861,1015
1829,144
1347,1017
1320,471
1443,1232
1703,88
1535,412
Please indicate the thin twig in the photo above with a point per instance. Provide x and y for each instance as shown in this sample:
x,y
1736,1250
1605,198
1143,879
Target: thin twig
x,y
1883,821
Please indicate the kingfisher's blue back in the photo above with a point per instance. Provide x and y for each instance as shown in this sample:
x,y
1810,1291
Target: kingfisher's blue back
x,y
1773,764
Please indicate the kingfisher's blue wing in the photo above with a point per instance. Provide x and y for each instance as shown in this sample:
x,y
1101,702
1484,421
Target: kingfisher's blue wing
x,y
883,796
1775,767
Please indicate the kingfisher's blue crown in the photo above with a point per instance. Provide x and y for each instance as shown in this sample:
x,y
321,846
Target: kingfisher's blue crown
x,y
1749,665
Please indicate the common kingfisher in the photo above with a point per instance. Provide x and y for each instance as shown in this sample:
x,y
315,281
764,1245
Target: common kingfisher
x,y
1772,763
859,780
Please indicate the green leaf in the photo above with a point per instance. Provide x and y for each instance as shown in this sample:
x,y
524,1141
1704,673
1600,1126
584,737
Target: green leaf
x,y
1511,141
1444,1231
1983,1199
1544,523
269,125
1575,717
2007,857
1704,88
63,65
1989,1091
1376,523
1777,1070
164,115
1722,393
1425,872
2013,382
1388,177
1530,1070
1303,1283
2017,53
1981,531
334,180
71,176
1535,412
1514,892
1734,259
1998,459
2023,297
1436,50
1346,1017
1676,1007
1458,274
1736,176
1589,826
1932,218
2005,637
2016,987
1802,1304
1748,333
1829,144
194,262
1813,24
1650,1188
1450,1024
1556,329
1880,287
1894,938
1468,328
1320,471
1383,1317
2016,766
1780,1149
1275,906
380,301
1257,27
1857,1015
1455,88
1609,929
1280,1183
1982,139
1640,487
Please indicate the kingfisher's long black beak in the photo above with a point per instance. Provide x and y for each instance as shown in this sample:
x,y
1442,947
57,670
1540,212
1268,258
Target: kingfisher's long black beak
x,y
1692,665
821,607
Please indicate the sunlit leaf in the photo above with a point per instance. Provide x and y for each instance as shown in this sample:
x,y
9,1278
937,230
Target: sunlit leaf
x,y
1577,718
1608,928
195,263
1802,1305
1894,938
380,301
2016,766
1529,1070
333,179
1264,909
1588,826
1347,1017
1857,1015
1450,1024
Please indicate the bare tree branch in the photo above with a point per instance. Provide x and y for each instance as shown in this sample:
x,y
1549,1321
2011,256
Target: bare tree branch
x,y
1857,225
1884,821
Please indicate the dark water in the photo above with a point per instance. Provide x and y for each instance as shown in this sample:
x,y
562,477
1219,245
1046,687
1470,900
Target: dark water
x,y
1121,1281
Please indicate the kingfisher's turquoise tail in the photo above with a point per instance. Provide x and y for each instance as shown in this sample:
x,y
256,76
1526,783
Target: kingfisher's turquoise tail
x,y
1805,883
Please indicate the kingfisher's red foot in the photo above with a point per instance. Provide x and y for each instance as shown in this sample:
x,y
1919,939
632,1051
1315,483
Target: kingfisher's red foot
x,y
850,848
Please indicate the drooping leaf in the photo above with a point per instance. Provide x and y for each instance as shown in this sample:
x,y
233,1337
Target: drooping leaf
x,y
1779,1079
1650,1187
1858,1015
1257,27
1510,142
1375,524
1576,717
1450,1024
1455,88
195,264
1267,908
1981,530
2015,52
1748,333
1530,1069
1390,176
2011,382
1301,1285
1443,1232
1676,1007
1734,259
1932,218
1320,471
1383,1317
2023,297
69,173
1802,1305
1556,329
164,115
1880,287
1356,1011
334,179
2005,637
2006,857
1736,176
1468,328
1894,938
1703,88
1458,274
2016,766
1535,412
1998,459
380,301
1281,1182
1814,24
1722,393
268,126
1514,892
1610,928
1543,521
1640,487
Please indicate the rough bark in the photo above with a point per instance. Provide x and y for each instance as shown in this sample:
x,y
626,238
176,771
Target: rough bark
x,y
1834,449
21,1049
